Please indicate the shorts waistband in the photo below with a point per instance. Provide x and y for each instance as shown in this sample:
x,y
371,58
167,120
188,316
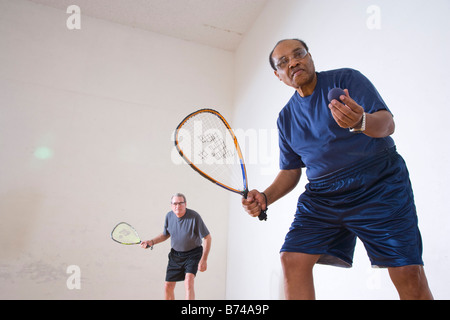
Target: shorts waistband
x,y
356,166
186,253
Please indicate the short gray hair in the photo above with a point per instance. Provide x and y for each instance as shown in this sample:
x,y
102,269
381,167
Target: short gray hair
x,y
178,195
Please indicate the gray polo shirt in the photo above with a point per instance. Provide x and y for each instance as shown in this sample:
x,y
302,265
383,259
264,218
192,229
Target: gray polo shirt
x,y
186,233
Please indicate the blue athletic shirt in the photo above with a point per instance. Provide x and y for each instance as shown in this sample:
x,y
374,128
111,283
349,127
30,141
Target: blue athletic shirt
x,y
310,137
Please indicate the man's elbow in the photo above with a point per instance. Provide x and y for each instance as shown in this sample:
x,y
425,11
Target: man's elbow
x,y
391,128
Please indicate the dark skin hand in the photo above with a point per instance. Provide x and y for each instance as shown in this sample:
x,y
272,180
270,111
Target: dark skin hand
x,y
348,114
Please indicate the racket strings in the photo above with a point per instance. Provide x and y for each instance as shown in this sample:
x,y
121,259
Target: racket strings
x,y
210,146
125,234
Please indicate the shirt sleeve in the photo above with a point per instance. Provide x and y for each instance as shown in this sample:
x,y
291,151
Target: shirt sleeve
x,y
288,158
365,94
201,227
166,226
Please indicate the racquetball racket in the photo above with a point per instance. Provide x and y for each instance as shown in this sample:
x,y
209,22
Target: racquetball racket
x,y
207,143
124,233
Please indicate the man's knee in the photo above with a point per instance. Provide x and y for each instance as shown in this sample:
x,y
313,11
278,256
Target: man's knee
x,y
189,280
408,275
169,285
410,281
298,259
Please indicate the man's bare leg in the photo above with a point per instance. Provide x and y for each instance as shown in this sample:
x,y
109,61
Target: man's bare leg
x,y
411,283
189,286
298,275
169,290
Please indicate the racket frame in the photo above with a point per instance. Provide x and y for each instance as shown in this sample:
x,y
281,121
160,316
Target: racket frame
x,y
131,227
244,192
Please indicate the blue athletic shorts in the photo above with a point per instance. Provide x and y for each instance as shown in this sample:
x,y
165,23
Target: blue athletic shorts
x,y
373,201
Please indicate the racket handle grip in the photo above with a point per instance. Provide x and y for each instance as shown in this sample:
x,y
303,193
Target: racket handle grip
x,y
263,215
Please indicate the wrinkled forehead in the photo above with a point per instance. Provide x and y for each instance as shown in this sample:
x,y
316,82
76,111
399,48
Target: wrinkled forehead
x,y
287,47
177,199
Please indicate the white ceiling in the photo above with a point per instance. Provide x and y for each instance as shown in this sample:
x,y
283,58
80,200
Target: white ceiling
x,y
217,23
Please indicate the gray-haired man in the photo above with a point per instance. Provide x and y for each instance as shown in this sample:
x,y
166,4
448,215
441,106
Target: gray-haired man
x,y
190,242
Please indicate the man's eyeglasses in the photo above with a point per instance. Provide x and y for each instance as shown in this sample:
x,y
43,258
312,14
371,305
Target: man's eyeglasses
x,y
178,203
298,54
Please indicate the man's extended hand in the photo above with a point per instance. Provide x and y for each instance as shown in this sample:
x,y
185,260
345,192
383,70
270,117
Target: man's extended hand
x,y
347,114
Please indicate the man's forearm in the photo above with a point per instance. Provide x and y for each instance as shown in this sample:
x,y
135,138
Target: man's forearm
x,y
206,247
160,238
379,124
284,183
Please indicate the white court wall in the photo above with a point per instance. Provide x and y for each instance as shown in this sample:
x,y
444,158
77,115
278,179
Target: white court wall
x,y
86,119
86,123
403,48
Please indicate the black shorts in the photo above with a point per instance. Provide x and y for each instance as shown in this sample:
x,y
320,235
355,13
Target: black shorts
x,y
181,263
